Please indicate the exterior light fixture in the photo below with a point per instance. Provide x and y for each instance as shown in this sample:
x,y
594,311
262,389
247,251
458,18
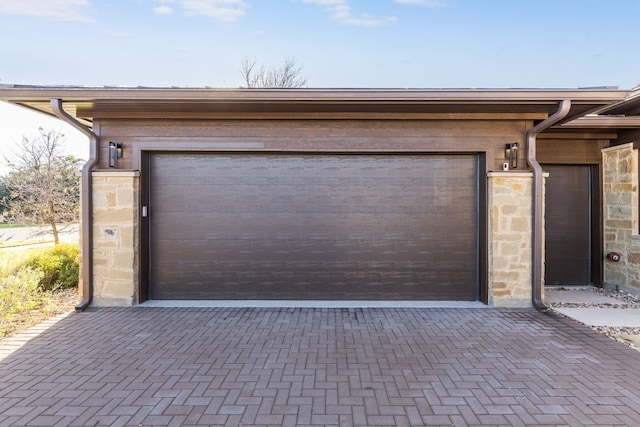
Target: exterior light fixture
x,y
115,153
511,154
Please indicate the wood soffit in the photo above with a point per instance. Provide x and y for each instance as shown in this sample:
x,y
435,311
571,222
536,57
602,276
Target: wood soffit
x,y
630,106
88,104
604,122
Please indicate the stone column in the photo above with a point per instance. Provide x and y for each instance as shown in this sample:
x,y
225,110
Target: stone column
x,y
115,238
510,209
620,213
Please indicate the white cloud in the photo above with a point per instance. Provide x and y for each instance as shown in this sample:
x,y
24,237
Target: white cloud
x,y
220,10
53,10
163,10
340,11
427,3
325,2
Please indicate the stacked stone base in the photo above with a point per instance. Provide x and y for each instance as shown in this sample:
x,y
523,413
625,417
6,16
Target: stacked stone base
x,y
620,212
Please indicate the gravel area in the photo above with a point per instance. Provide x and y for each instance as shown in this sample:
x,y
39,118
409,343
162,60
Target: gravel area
x,y
626,335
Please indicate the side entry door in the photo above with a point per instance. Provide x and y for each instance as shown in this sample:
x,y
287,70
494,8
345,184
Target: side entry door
x,y
570,224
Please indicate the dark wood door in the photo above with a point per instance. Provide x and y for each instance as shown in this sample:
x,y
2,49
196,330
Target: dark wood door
x,y
568,224
358,227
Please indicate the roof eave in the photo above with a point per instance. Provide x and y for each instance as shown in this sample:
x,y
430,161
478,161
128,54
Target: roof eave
x,y
26,93
542,101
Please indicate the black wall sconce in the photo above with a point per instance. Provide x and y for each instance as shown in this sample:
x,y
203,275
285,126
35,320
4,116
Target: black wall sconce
x,y
511,154
115,153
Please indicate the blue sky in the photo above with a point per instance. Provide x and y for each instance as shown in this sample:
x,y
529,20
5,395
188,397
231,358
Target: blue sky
x,y
339,43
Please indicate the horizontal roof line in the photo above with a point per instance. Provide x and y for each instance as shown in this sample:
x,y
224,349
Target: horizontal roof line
x,y
19,86
606,122
37,88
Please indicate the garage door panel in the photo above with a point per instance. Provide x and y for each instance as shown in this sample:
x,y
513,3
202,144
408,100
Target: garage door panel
x,y
313,227
331,290
293,250
377,229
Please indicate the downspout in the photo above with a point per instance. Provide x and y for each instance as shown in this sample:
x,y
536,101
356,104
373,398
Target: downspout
x,y
536,246
86,221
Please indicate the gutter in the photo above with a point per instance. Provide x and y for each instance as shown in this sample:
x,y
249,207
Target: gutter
x,y
538,214
86,220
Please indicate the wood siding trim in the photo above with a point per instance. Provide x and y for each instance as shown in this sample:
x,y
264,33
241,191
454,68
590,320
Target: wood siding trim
x,y
626,136
412,136
610,134
565,151
199,115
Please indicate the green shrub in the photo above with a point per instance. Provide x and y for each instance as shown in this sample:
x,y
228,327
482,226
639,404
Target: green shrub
x,y
60,265
20,291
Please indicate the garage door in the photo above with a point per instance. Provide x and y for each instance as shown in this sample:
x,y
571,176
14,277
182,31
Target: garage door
x,y
353,227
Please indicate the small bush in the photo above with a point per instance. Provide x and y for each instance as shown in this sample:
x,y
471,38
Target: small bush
x,y
60,265
21,291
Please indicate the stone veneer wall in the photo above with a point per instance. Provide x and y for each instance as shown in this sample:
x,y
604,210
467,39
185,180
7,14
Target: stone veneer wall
x,y
115,237
510,202
620,200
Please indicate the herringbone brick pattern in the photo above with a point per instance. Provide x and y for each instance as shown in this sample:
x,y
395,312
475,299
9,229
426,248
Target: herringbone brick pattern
x,y
302,367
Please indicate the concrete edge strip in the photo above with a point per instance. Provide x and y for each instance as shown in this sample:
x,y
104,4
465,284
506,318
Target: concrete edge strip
x,y
311,304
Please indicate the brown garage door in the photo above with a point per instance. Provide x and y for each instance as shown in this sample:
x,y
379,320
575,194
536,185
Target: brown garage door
x,y
356,227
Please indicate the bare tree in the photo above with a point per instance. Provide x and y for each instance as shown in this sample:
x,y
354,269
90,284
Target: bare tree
x,y
288,75
43,184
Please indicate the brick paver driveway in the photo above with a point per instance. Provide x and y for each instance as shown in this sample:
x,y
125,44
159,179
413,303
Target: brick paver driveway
x,y
206,366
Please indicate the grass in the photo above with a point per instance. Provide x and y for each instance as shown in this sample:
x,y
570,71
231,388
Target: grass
x,y
4,225
56,303
18,243
12,259
24,300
